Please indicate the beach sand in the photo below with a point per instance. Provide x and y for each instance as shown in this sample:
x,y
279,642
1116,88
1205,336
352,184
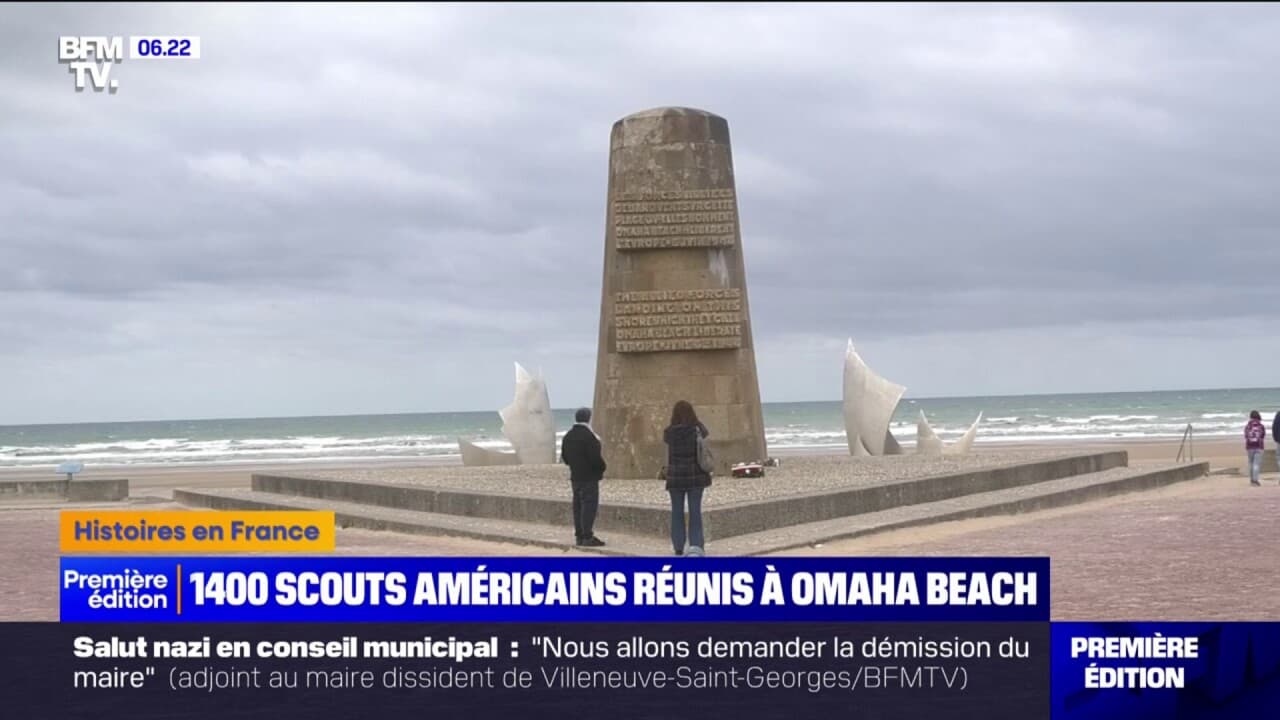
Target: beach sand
x,y
1201,550
159,481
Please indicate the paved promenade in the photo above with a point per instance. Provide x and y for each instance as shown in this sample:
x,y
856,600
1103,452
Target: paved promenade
x,y
1202,550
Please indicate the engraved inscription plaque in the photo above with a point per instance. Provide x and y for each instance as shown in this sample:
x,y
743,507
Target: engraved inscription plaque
x,y
697,319
675,219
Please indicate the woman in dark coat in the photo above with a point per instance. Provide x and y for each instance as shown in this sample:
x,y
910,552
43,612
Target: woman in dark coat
x,y
685,479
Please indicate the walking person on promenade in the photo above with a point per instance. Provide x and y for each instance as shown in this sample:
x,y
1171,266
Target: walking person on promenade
x,y
1255,437
686,479
580,450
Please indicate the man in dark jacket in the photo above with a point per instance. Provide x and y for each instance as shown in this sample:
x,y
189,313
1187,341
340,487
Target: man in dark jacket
x,y
1275,430
580,450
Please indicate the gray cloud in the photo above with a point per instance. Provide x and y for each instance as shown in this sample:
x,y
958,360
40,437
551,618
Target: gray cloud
x,y
349,208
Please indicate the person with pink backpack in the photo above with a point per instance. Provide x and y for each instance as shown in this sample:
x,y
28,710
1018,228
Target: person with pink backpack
x,y
1255,437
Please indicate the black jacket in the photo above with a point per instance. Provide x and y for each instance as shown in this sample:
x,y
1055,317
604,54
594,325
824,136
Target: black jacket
x,y
580,450
1275,428
683,471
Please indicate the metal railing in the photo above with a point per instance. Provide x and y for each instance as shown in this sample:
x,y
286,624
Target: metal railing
x,y
1188,445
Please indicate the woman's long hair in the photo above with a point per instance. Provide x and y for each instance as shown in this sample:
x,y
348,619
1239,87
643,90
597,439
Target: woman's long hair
x,y
683,414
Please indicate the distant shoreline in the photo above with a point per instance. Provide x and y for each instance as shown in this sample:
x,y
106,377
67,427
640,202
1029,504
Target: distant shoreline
x,y
569,409
1224,450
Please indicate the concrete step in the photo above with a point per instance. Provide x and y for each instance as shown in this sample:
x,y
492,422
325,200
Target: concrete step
x,y
97,490
370,517
1011,501
653,521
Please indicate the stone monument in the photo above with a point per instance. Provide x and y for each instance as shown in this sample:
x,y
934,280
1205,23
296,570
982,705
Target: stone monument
x,y
674,319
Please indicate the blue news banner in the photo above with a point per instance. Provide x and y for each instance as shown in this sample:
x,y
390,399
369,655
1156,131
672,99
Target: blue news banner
x,y
198,637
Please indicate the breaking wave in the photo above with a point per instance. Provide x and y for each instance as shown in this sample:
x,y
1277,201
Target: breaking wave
x,y
434,436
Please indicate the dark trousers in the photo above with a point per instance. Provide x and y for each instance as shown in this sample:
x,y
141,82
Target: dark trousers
x,y
678,497
586,500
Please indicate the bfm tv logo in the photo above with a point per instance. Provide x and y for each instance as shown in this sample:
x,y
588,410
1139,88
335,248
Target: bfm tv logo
x,y
90,59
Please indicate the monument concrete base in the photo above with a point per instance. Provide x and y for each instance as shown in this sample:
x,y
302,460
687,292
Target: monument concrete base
x,y
812,499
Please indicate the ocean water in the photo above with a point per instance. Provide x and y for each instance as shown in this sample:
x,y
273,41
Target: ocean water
x,y
1007,419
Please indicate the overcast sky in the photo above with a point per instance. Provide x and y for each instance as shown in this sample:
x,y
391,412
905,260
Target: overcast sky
x,y
348,209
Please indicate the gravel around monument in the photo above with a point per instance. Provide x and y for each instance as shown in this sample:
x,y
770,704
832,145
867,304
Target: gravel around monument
x,y
797,476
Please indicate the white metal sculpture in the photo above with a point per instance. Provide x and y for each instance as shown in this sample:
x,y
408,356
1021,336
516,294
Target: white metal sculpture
x,y
527,422
928,442
965,443
474,455
869,404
